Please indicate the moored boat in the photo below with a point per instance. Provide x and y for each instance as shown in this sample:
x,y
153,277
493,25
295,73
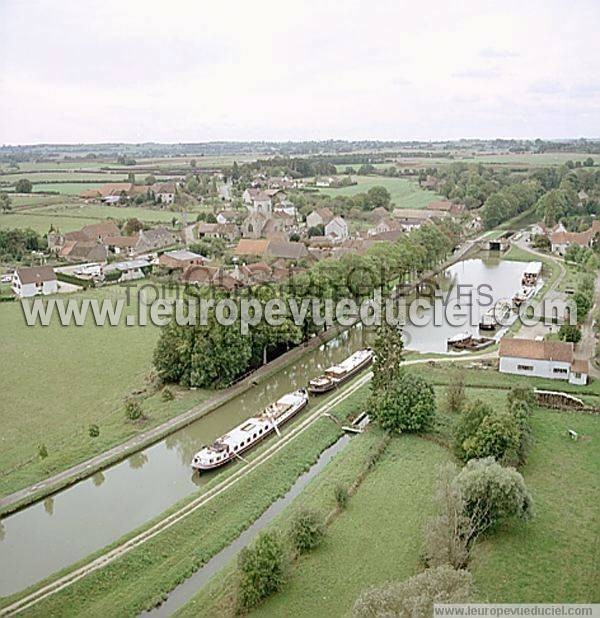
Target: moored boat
x,y
250,432
494,315
467,341
524,294
337,374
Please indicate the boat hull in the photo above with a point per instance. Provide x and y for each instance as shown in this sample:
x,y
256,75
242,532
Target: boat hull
x,y
336,382
267,433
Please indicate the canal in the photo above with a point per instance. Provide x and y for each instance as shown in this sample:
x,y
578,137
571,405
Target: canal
x,y
62,529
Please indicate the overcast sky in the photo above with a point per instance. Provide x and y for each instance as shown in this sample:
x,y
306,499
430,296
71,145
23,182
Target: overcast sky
x,y
198,70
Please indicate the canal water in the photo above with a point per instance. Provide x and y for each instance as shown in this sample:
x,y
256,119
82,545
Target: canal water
x,y
56,532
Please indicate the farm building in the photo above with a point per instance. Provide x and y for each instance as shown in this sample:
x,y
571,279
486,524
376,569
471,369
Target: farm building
x,y
542,359
31,281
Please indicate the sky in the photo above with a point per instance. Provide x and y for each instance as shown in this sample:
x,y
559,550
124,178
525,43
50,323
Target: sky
x,y
195,71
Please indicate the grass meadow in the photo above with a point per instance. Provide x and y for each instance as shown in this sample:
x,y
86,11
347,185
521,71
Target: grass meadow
x,y
61,379
404,193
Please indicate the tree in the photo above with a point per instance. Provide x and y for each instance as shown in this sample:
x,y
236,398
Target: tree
x,y
132,226
316,230
23,186
491,494
193,163
407,404
583,302
416,596
378,197
455,391
446,533
307,530
5,204
260,570
133,410
150,180
483,432
570,333
388,349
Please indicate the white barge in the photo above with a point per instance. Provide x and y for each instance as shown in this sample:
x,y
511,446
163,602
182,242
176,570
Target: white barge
x,y
337,374
250,432
524,294
495,315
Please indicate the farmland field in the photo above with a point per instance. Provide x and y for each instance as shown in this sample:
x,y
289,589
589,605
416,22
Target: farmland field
x,y
60,380
404,193
66,176
99,211
42,223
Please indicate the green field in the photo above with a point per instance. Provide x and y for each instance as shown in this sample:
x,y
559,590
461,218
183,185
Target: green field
x,y
377,539
56,177
59,380
404,193
554,557
42,223
99,212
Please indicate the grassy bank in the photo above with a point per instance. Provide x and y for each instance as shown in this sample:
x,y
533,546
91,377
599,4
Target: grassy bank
x,y
552,558
216,599
377,539
140,578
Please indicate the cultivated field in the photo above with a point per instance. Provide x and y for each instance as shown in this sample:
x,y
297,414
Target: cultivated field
x,y
404,193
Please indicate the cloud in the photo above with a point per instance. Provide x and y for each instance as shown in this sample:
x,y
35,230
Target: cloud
x,y
492,53
546,87
478,73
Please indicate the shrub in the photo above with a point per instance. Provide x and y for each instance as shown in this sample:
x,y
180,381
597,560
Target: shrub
x,y
42,451
307,530
133,409
167,394
570,333
341,496
491,494
260,570
455,392
408,404
94,431
415,596
445,533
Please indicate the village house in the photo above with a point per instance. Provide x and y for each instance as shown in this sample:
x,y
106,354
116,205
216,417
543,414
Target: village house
x,y
180,259
121,244
541,229
34,280
328,181
230,216
446,206
337,229
542,359
226,231
130,270
164,192
561,241
321,216
257,201
276,249
411,218
154,239
385,224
